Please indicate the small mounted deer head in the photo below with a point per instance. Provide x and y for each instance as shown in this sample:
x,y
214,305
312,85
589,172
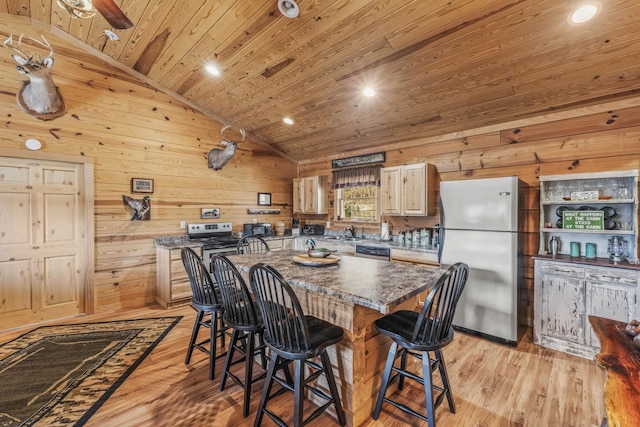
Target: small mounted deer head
x,y
219,157
38,96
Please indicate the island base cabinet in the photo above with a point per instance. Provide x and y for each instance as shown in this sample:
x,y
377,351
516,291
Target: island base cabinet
x,y
358,360
172,283
566,294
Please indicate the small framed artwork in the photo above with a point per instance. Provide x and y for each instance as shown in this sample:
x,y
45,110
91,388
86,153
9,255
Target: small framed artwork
x,y
264,199
210,213
141,185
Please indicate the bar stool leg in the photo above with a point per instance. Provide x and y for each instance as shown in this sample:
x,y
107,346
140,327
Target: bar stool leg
x,y
298,391
266,390
428,390
212,345
403,367
391,357
229,358
194,336
248,372
333,388
445,381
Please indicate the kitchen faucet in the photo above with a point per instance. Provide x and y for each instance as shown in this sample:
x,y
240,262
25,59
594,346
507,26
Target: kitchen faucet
x,y
351,230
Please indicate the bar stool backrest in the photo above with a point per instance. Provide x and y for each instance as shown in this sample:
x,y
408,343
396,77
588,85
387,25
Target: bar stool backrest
x,y
252,245
286,328
202,285
434,322
239,309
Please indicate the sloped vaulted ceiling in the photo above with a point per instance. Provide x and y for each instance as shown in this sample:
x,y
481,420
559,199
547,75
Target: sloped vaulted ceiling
x,y
437,66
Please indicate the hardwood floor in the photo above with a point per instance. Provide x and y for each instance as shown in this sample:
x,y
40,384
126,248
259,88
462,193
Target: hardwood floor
x,y
493,385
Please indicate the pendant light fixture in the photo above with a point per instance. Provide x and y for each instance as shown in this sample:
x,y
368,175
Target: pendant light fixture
x,y
288,8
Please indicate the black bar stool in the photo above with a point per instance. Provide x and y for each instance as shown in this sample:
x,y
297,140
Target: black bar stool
x,y
252,245
293,337
206,301
417,334
240,315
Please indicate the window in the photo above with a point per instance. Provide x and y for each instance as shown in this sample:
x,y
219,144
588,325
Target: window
x,y
357,193
359,203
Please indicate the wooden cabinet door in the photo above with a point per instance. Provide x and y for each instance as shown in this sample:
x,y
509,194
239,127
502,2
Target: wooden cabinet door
x,y
563,308
43,260
612,295
391,191
310,198
414,189
298,195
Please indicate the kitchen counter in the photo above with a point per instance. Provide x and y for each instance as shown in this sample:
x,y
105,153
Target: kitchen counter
x,y
600,262
352,294
182,241
379,285
177,242
424,248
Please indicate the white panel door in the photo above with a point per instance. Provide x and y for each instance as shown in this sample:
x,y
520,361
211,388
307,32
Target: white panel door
x,y
43,256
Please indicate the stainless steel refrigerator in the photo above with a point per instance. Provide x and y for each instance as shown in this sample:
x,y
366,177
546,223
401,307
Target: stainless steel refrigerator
x,y
479,226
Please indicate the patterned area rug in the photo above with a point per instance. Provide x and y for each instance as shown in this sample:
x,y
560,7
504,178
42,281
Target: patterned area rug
x,y
57,375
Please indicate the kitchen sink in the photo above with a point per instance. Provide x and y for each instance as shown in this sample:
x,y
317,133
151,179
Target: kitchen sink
x,y
343,238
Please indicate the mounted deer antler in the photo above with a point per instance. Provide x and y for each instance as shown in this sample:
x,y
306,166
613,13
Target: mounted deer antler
x,y
219,157
38,96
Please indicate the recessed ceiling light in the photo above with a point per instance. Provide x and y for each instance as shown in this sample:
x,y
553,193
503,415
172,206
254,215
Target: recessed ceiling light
x,y
33,144
585,13
212,69
288,120
369,92
288,8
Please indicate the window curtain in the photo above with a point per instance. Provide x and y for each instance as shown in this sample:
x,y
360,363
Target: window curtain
x,y
357,177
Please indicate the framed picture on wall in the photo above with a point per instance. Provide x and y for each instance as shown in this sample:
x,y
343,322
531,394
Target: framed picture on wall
x,y
264,199
141,185
210,213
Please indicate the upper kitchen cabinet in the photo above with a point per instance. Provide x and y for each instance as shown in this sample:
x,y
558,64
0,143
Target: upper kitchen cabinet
x,y
310,195
408,190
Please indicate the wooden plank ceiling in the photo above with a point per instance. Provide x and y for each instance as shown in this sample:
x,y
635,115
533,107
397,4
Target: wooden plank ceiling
x,y
438,66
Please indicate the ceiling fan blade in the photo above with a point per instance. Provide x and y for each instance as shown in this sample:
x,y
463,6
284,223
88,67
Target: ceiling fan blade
x,y
112,13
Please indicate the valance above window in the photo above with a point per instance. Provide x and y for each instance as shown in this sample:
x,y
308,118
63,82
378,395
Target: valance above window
x,y
357,177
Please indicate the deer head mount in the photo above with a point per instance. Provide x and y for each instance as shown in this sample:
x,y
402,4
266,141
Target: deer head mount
x,y
37,96
219,157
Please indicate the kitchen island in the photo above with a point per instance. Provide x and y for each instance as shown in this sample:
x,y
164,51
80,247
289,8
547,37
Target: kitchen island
x,y
352,294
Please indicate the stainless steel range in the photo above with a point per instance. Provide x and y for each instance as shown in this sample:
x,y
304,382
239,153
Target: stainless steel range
x,y
216,239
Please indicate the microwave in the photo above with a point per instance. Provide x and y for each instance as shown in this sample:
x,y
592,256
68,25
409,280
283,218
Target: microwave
x,y
260,229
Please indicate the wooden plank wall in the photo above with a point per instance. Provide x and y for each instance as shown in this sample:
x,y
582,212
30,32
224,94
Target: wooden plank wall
x,y
132,130
590,143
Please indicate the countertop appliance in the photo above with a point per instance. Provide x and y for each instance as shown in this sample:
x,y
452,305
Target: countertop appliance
x,y
479,226
373,252
216,239
313,230
257,229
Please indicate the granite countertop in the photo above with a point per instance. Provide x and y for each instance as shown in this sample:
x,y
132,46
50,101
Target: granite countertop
x,y
407,246
380,285
177,242
182,241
